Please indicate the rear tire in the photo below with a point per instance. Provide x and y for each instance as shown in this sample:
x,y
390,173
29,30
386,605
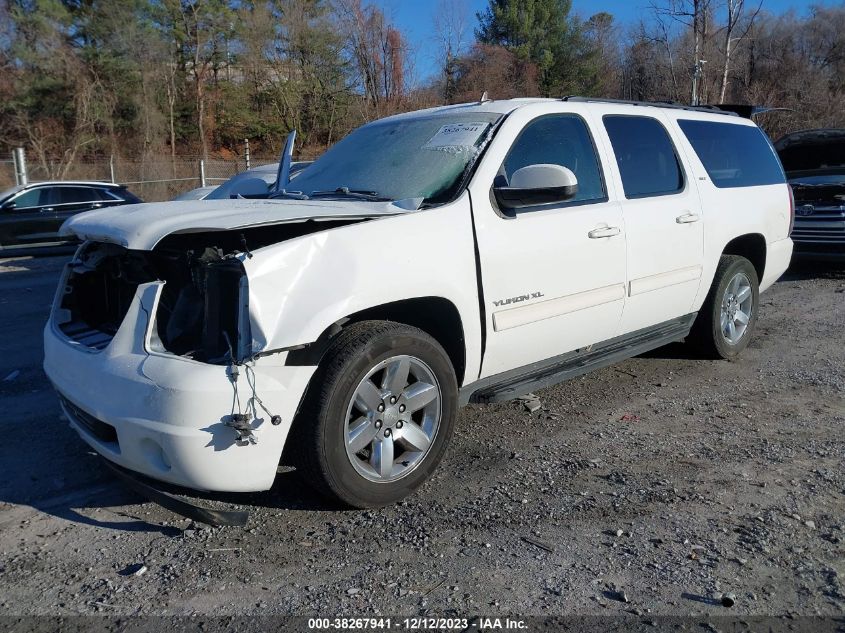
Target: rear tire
x,y
378,414
727,319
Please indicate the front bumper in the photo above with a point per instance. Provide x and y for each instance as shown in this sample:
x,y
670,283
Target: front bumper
x,y
167,412
830,251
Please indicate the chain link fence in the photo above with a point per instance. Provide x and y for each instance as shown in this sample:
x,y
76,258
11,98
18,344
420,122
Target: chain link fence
x,y
153,180
7,174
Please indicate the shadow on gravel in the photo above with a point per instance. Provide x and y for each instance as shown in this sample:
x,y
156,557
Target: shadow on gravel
x,y
78,496
701,599
70,512
82,503
800,270
289,492
673,351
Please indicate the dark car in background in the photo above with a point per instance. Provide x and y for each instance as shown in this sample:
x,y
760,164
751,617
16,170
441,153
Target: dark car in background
x,y
30,215
814,161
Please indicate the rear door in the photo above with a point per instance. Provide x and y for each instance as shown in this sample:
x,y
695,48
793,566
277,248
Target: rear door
x,y
553,275
69,200
663,218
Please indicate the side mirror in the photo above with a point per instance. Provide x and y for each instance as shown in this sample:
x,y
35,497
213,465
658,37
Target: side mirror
x,y
8,206
537,185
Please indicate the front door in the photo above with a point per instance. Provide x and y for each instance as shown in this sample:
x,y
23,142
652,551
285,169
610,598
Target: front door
x,y
27,220
552,276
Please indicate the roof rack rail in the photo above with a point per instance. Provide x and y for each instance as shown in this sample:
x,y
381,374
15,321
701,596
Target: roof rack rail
x,y
657,104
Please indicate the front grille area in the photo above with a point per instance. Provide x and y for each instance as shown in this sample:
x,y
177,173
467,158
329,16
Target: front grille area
x,y
104,432
826,225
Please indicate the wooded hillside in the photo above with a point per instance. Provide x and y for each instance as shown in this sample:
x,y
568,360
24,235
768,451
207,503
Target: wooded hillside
x,y
83,79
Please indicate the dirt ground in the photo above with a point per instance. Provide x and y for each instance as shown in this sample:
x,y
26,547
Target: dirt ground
x,y
651,488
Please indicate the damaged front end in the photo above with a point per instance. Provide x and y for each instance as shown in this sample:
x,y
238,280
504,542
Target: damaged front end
x,y
202,312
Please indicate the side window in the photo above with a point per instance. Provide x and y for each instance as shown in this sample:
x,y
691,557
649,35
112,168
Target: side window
x,y
734,155
646,157
70,195
559,139
31,198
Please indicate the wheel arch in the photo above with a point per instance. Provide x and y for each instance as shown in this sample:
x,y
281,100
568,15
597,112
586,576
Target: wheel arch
x,y
751,246
437,316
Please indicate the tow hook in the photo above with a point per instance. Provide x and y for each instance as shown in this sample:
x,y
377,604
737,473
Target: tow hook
x,y
240,423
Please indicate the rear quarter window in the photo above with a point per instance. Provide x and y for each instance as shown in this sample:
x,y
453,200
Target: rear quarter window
x,y
120,193
734,155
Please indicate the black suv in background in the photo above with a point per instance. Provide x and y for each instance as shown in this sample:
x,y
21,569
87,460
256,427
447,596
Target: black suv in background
x,y
30,215
814,161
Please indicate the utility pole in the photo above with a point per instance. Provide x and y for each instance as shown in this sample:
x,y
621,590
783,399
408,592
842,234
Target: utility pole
x,y
19,159
246,151
697,72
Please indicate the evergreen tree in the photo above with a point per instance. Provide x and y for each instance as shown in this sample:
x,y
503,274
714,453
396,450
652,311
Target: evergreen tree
x,y
543,32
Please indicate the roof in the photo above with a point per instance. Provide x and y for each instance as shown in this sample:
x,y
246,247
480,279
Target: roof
x,y
90,183
501,106
506,106
47,183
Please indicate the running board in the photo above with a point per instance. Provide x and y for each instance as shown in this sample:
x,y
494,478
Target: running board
x,y
523,380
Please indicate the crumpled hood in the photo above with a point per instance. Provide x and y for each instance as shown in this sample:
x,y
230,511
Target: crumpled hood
x,y
142,226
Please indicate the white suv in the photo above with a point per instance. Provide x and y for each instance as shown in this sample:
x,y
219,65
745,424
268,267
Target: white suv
x,y
464,253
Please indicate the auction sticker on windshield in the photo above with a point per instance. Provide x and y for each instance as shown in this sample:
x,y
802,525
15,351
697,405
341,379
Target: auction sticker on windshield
x,y
456,135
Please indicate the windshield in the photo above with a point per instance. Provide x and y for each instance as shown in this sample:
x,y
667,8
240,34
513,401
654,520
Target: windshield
x,y
409,157
9,192
235,183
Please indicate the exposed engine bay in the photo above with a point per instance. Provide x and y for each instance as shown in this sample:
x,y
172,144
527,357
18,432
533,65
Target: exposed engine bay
x,y
201,308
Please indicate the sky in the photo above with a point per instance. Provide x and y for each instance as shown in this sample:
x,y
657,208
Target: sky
x,y
414,18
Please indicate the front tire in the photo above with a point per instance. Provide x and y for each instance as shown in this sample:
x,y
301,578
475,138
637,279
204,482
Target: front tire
x,y
727,319
378,415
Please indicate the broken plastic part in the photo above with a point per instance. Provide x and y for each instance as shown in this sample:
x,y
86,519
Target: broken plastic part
x,y
240,423
236,518
409,204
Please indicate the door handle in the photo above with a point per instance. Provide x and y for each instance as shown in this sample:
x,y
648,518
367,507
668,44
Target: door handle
x,y
604,231
47,209
687,218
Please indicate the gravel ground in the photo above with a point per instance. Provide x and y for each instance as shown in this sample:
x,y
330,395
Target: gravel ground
x,y
652,487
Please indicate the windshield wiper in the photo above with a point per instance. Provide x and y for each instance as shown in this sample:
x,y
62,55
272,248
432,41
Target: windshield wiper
x,y
296,195
346,192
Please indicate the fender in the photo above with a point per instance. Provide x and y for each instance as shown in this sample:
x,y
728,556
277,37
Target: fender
x,y
299,288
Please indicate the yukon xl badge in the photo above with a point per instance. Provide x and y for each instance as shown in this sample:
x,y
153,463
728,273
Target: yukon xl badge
x,y
519,299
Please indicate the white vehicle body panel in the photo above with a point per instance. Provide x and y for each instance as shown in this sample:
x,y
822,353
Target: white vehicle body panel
x,y
544,250
301,287
729,213
142,226
167,410
526,289
664,251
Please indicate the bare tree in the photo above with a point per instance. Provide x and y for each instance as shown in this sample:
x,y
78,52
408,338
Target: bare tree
x,y
450,28
379,53
497,71
695,15
736,29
